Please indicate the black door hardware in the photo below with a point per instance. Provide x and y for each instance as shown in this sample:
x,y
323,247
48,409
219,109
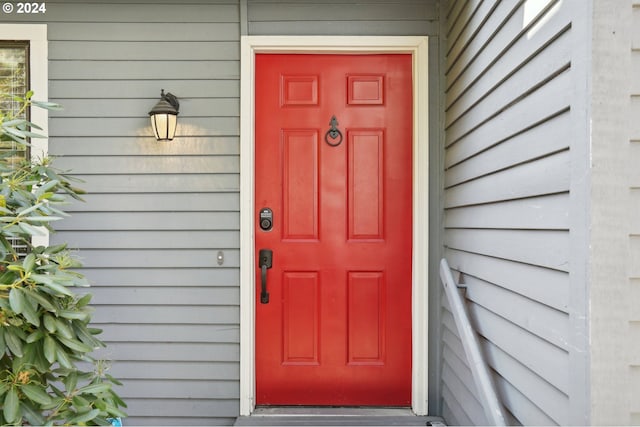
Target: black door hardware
x,y
333,133
265,261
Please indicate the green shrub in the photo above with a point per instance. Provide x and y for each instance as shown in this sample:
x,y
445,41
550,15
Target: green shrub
x,y
47,375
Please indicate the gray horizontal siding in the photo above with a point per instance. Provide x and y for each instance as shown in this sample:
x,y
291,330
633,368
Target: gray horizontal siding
x,y
149,239
370,17
509,93
170,333
191,90
142,51
157,214
108,202
198,107
170,31
165,276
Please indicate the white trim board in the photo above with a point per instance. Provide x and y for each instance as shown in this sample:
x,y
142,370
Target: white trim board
x,y
417,47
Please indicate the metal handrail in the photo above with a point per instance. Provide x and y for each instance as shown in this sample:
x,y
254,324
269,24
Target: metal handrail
x,y
493,409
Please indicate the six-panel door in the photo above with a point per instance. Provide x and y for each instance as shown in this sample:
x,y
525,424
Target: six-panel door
x,y
333,163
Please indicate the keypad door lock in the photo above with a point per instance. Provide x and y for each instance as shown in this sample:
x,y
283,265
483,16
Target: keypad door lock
x,y
266,219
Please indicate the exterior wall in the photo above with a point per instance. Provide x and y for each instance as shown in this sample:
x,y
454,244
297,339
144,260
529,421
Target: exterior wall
x,y
514,147
615,208
157,214
538,222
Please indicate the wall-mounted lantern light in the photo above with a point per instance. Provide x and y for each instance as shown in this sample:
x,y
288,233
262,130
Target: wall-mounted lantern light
x,y
164,116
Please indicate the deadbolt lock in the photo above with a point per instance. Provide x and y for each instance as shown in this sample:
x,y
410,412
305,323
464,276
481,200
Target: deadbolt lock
x,y
266,219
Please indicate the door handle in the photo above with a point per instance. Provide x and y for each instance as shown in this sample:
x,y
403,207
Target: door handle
x,y
265,261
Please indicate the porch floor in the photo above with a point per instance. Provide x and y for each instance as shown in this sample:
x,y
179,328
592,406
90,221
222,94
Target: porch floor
x,y
307,416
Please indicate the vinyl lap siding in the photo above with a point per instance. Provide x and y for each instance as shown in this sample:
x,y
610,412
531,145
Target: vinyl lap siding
x,y
507,180
342,17
634,238
157,213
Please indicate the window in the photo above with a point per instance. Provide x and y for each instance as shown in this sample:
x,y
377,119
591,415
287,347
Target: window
x,y
14,81
24,49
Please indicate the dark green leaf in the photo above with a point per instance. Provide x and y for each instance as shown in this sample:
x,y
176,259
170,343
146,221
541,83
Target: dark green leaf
x,y
29,262
55,249
101,421
3,388
75,345
95,388
112,410
36,393
32,415
63,358
7,277
74,314
32,134
84,417
63,329
81,404
47,105
41,300
51,284
11,408
86,299
35,336
50,323
13,123
30,312
71,381
100,404
85,336
29,356
12,131
13,342
39,219
40,362
113,380
31,230
50,349
46,187
16,300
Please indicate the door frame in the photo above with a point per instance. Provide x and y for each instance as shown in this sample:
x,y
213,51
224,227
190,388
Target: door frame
x,y
417,46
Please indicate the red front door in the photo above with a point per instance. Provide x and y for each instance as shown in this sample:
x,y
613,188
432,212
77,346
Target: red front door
x,y
333,163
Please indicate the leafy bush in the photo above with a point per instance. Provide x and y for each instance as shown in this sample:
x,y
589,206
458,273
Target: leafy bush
x,y
45,337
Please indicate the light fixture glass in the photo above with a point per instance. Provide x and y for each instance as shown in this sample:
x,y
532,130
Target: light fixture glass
x,y
164,117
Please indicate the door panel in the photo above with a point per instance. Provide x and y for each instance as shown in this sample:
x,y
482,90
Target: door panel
x,y
337,328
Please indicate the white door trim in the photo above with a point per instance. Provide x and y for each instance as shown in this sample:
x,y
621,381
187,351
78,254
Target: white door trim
x,y
417,47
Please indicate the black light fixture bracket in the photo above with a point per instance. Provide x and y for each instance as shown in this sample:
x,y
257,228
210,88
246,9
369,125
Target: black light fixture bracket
x,y
168,104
